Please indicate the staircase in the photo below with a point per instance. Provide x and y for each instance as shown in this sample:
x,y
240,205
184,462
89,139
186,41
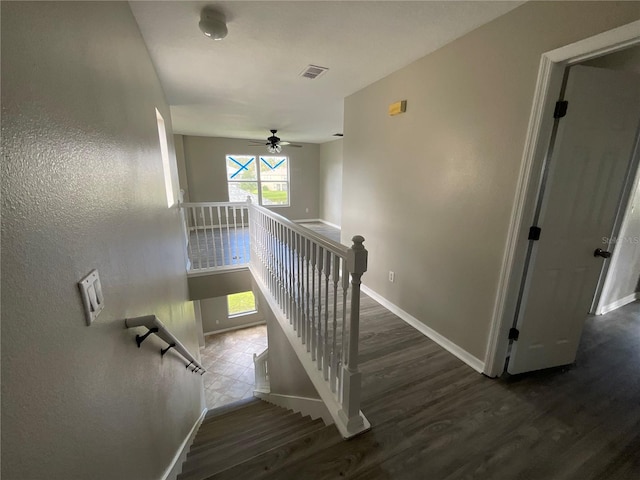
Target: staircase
x,y
243,432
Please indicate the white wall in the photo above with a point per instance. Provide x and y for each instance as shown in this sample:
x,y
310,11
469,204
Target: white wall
x,y
205,159
331,181
83,188
432,190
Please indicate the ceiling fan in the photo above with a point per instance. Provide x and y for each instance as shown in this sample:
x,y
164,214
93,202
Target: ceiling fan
x,y
273,143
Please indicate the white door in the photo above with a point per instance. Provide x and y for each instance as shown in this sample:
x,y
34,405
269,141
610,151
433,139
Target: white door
x,y
587,170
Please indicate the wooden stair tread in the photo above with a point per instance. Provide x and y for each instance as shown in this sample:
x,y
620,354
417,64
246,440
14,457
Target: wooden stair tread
x,y
241,434
222,429
268,463
227,456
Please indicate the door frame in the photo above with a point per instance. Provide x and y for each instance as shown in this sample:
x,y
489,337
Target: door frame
x,y
548,88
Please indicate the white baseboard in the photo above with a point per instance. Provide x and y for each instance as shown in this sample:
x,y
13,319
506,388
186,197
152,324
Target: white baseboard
x,y
307,220
619,303
313,407
330,224
311,220
239,327
175,467
444,342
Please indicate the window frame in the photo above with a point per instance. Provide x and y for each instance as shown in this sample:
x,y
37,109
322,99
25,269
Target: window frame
x,y
245,313
259,182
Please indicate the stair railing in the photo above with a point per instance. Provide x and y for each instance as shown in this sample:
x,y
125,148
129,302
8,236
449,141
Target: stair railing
x,y
261,370
313,286
155,326
217,235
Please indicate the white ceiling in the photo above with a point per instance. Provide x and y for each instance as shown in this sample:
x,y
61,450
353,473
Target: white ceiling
x,y
248,83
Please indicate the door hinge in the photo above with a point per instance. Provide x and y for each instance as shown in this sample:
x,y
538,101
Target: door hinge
x,y
561,109
534,233
514,333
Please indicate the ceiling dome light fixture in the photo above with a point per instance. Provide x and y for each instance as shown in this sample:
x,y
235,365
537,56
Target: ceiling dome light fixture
x,y
212,23
275,148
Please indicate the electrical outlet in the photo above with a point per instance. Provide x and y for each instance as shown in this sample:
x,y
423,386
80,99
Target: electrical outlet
x,y
392,276
306,210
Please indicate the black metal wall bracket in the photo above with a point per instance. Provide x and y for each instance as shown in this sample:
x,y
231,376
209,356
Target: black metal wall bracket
x,y
142,338
165,350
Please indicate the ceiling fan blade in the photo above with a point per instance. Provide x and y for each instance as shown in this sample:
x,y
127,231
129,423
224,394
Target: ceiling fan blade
x,y
293,145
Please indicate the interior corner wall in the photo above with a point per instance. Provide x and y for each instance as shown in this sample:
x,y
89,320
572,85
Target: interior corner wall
x,y
330,180
83,188
205,159
287,376
432,190
182,167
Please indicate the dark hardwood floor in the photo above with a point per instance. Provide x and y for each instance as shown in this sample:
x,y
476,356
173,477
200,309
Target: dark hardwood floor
x,y
435,418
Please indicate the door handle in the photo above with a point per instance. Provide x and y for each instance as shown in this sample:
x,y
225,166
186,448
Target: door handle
x,y
598,252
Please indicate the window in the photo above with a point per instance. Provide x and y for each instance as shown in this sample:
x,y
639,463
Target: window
x,y
164,152
241,304
264,179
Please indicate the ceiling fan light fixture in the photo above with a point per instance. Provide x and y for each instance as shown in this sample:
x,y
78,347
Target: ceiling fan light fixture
x,y
274,148
212,24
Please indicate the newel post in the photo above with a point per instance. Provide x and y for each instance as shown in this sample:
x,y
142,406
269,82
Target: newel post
x,y
356,265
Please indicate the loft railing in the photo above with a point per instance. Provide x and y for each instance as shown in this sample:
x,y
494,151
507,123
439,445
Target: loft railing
x,y
155,326
313,287
217,235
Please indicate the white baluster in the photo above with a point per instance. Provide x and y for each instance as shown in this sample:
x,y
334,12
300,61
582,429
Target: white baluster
x,y
334,332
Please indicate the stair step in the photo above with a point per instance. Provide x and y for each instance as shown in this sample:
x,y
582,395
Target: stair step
x,y
230,455
217,415
230,407
242,433
267,464
223,428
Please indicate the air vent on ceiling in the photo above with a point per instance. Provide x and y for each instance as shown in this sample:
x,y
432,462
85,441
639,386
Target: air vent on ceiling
x,y
313,71
338,134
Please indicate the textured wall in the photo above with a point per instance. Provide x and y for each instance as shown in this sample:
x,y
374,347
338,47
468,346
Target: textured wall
x,y
432,190
331,181
207,174
83,188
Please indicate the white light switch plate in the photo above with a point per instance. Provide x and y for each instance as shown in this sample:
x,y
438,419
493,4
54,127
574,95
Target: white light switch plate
x,y
92,297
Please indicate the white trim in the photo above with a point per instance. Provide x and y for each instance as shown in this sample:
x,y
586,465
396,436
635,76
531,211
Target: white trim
x,y
316,376
619,303
444,342
175,467
313,407
331,224
202,272
319,220
550,74
307,220
238,327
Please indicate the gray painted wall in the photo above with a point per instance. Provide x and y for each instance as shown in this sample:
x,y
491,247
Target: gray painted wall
x,y
286,374
83,188
432,190
207,175
331,181
215,315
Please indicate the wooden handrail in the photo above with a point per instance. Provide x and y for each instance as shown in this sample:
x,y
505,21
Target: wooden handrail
x,y
155,326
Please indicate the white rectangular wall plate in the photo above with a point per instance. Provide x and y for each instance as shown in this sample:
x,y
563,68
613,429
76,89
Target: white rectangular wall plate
x,y
92,297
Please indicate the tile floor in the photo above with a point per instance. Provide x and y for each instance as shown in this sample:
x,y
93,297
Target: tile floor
x,y
228,358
